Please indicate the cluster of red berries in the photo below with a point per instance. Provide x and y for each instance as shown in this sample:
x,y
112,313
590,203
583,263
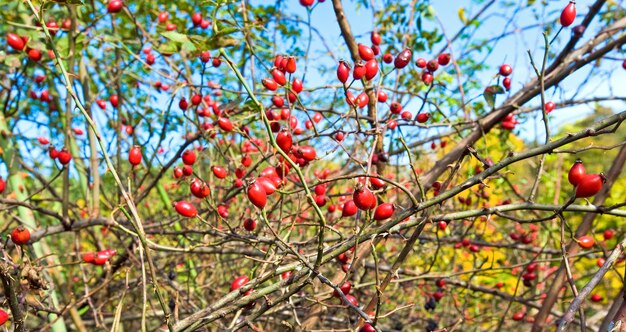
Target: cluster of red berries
x,y
586,185
63,156
98,258
20,43
466,243
525,237
431,66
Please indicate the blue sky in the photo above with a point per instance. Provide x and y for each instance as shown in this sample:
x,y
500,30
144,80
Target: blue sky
x,y
510,50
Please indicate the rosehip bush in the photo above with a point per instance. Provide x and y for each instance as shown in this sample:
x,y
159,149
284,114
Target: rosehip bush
x,y
311,165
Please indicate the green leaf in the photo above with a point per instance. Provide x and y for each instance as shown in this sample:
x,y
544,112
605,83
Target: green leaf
x,y
490,94
11,60
176,36
168,48
187,44
250,106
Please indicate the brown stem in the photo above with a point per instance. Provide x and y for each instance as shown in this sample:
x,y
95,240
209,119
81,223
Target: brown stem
x,y
348,37
11,284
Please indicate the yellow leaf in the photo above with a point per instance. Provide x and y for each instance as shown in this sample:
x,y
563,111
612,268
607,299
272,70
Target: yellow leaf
x,y
461,13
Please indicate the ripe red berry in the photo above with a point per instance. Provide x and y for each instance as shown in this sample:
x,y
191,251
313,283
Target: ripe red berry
x,y
225,124
189,157
3,185
239,282
4,317
608,234
423,117
432,66
115,6
518,316
53,152
246,161
395,108
596,298
278,101
586,241
269,184
278,76
352,300
345,289
376,38
196,19
219,172
384,211
249,224
257,195
382,96
568,15
101,257
364,198
349,209
402,59
296,85
506,70
306,152
64,156
421,63
284,140
444,59
359,70
576,173
89,257
387,58
114,100
343,71
307,3
291,64
186,209
442,225
15,41
34,54
365,52
367,327
427,78
205,56
269,84
589,185
20,235
199,188
549,107
506,82
134,156
371,69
